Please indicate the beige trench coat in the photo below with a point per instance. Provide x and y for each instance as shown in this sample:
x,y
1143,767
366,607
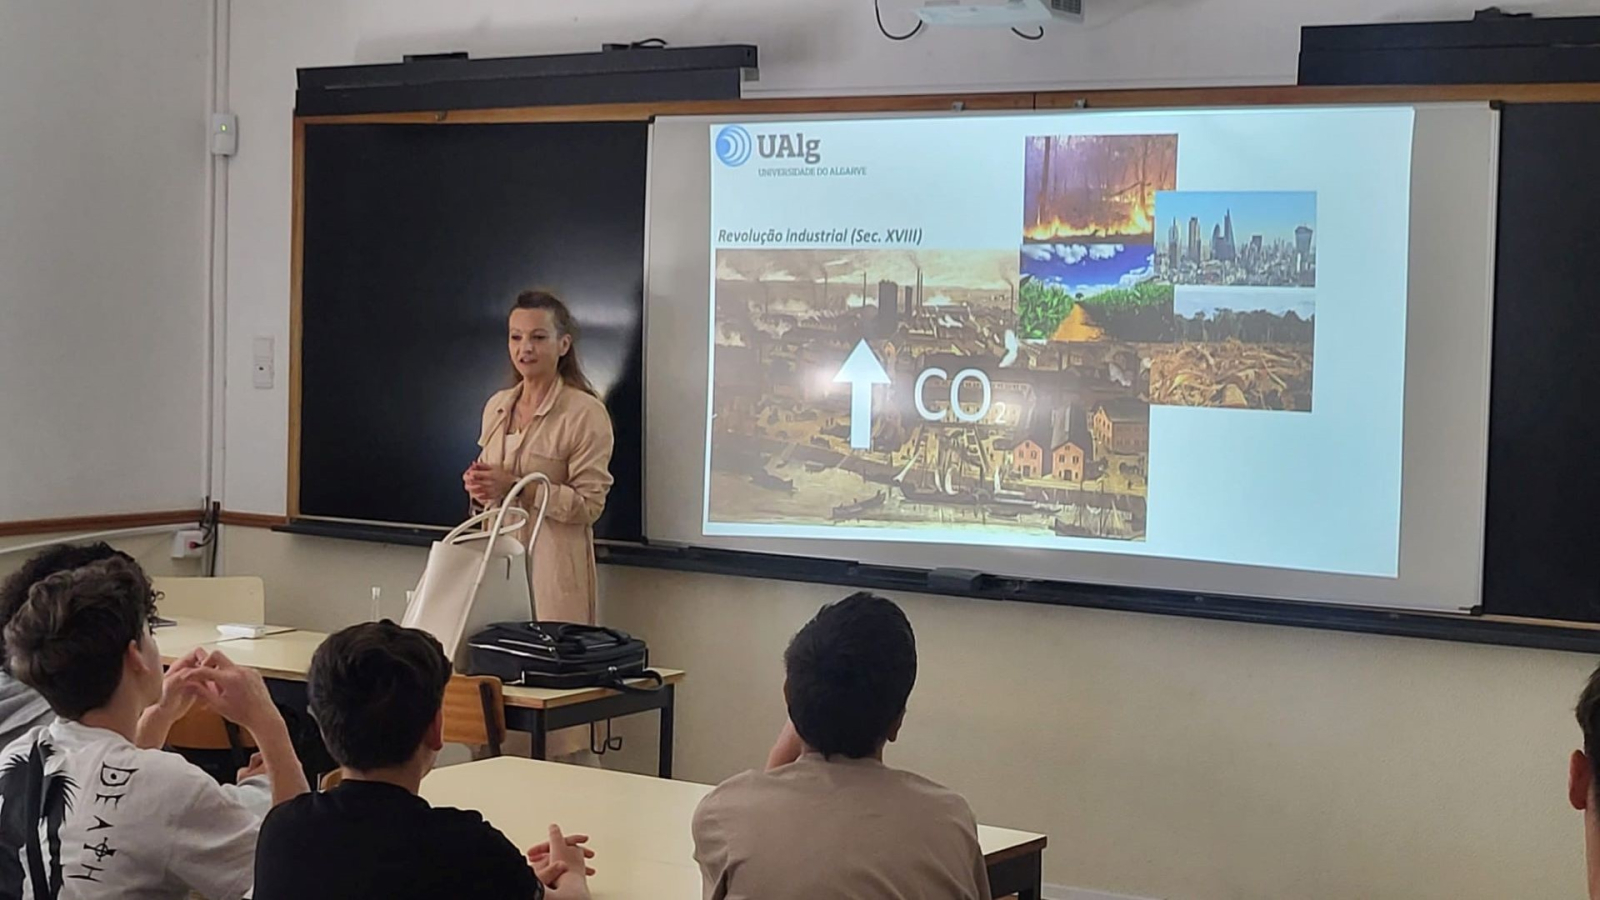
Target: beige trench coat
x,y
569,440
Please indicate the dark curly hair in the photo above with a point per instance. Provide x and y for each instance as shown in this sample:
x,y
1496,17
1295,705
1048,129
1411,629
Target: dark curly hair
x,y
69,638
47,562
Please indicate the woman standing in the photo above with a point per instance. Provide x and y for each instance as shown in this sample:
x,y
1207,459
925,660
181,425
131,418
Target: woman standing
x,y
551,421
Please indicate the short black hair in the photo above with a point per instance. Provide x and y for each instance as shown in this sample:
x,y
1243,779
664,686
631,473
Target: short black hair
x,y
68,640
47,562
374,688
1589,721
850,670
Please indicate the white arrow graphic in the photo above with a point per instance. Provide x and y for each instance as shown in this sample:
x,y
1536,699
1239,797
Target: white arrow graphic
x,y
861,371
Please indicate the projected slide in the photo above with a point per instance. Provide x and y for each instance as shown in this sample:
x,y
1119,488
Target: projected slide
x,y
1177,334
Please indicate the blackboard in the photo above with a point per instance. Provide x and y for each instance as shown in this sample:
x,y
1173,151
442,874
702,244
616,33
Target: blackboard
x,y
1544,446
416,239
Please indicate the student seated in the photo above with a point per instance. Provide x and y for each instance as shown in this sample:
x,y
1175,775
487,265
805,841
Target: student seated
x,y
84,812
827,818
377,690
1583,778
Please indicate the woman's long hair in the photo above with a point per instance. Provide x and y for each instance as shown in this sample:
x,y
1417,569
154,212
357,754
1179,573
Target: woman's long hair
x,y
568,367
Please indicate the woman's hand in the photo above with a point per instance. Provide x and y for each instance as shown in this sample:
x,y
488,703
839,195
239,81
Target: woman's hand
x,y
487,484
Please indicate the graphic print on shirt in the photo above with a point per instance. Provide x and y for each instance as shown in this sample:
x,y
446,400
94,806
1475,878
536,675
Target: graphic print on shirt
x,y
31,802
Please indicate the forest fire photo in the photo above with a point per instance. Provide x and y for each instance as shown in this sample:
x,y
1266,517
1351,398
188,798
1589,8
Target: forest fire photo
x,y
1096,188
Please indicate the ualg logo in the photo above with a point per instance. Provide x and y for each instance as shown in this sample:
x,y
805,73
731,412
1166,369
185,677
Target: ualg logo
x,y
734,144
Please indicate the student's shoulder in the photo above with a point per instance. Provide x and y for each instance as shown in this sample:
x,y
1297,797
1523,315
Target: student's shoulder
x,y
22,743
938,796
292,813
465,828
729,796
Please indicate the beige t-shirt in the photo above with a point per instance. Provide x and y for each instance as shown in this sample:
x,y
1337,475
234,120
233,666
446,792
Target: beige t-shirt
x,y
837,828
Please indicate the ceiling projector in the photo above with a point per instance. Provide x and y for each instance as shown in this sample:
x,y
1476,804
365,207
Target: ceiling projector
x,y
1000,13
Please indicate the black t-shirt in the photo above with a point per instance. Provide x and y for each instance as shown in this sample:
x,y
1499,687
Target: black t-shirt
x,y
367,839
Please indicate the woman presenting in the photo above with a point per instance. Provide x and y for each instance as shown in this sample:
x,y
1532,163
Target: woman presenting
x,y
552,422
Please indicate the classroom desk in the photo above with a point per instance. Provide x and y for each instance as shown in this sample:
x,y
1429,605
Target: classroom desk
x,y
285,658
639,827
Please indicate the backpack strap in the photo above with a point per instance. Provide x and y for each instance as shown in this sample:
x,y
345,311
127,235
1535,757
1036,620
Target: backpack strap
x,y
616,682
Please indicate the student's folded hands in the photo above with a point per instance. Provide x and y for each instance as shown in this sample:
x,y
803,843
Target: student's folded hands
x,y
570,855
236,693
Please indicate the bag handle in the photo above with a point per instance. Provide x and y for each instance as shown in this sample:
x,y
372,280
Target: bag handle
x,y
618,683
499,528
572,631
544,502
460,535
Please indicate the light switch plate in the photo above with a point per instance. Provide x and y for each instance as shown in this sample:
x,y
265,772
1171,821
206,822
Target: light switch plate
x,y
263,373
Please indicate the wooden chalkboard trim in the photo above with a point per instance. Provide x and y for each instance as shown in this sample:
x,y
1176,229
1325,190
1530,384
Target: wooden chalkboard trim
x,y
104,522
251,520
296,330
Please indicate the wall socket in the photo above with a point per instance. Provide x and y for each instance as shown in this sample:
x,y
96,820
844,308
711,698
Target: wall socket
x,y
263,373
188,544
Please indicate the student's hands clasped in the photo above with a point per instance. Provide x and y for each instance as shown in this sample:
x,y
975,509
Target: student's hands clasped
x,y
233,692
239,694
176,700
561,864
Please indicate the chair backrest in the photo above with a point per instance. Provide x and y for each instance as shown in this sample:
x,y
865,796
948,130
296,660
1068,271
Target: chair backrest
x,y
233,599
202,729
475,712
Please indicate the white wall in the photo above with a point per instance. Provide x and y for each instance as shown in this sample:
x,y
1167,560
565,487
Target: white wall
x,y
102,240
1165,757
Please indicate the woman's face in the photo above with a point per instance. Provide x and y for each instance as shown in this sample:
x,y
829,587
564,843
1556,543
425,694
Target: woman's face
x,y
536,345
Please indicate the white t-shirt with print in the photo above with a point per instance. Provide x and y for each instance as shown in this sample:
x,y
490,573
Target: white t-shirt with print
x,y
88,815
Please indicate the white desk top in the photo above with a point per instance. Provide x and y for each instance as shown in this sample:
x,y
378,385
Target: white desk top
x,y
177,640
639,825
288,656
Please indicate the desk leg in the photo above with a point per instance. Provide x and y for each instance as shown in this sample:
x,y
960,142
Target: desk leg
x,y
539,734
1019,876
668,709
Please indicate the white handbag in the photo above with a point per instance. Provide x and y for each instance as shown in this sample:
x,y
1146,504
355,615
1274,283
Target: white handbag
x,y
464,589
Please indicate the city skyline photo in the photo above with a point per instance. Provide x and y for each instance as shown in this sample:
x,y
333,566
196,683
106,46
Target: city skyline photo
x,y
1237,238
